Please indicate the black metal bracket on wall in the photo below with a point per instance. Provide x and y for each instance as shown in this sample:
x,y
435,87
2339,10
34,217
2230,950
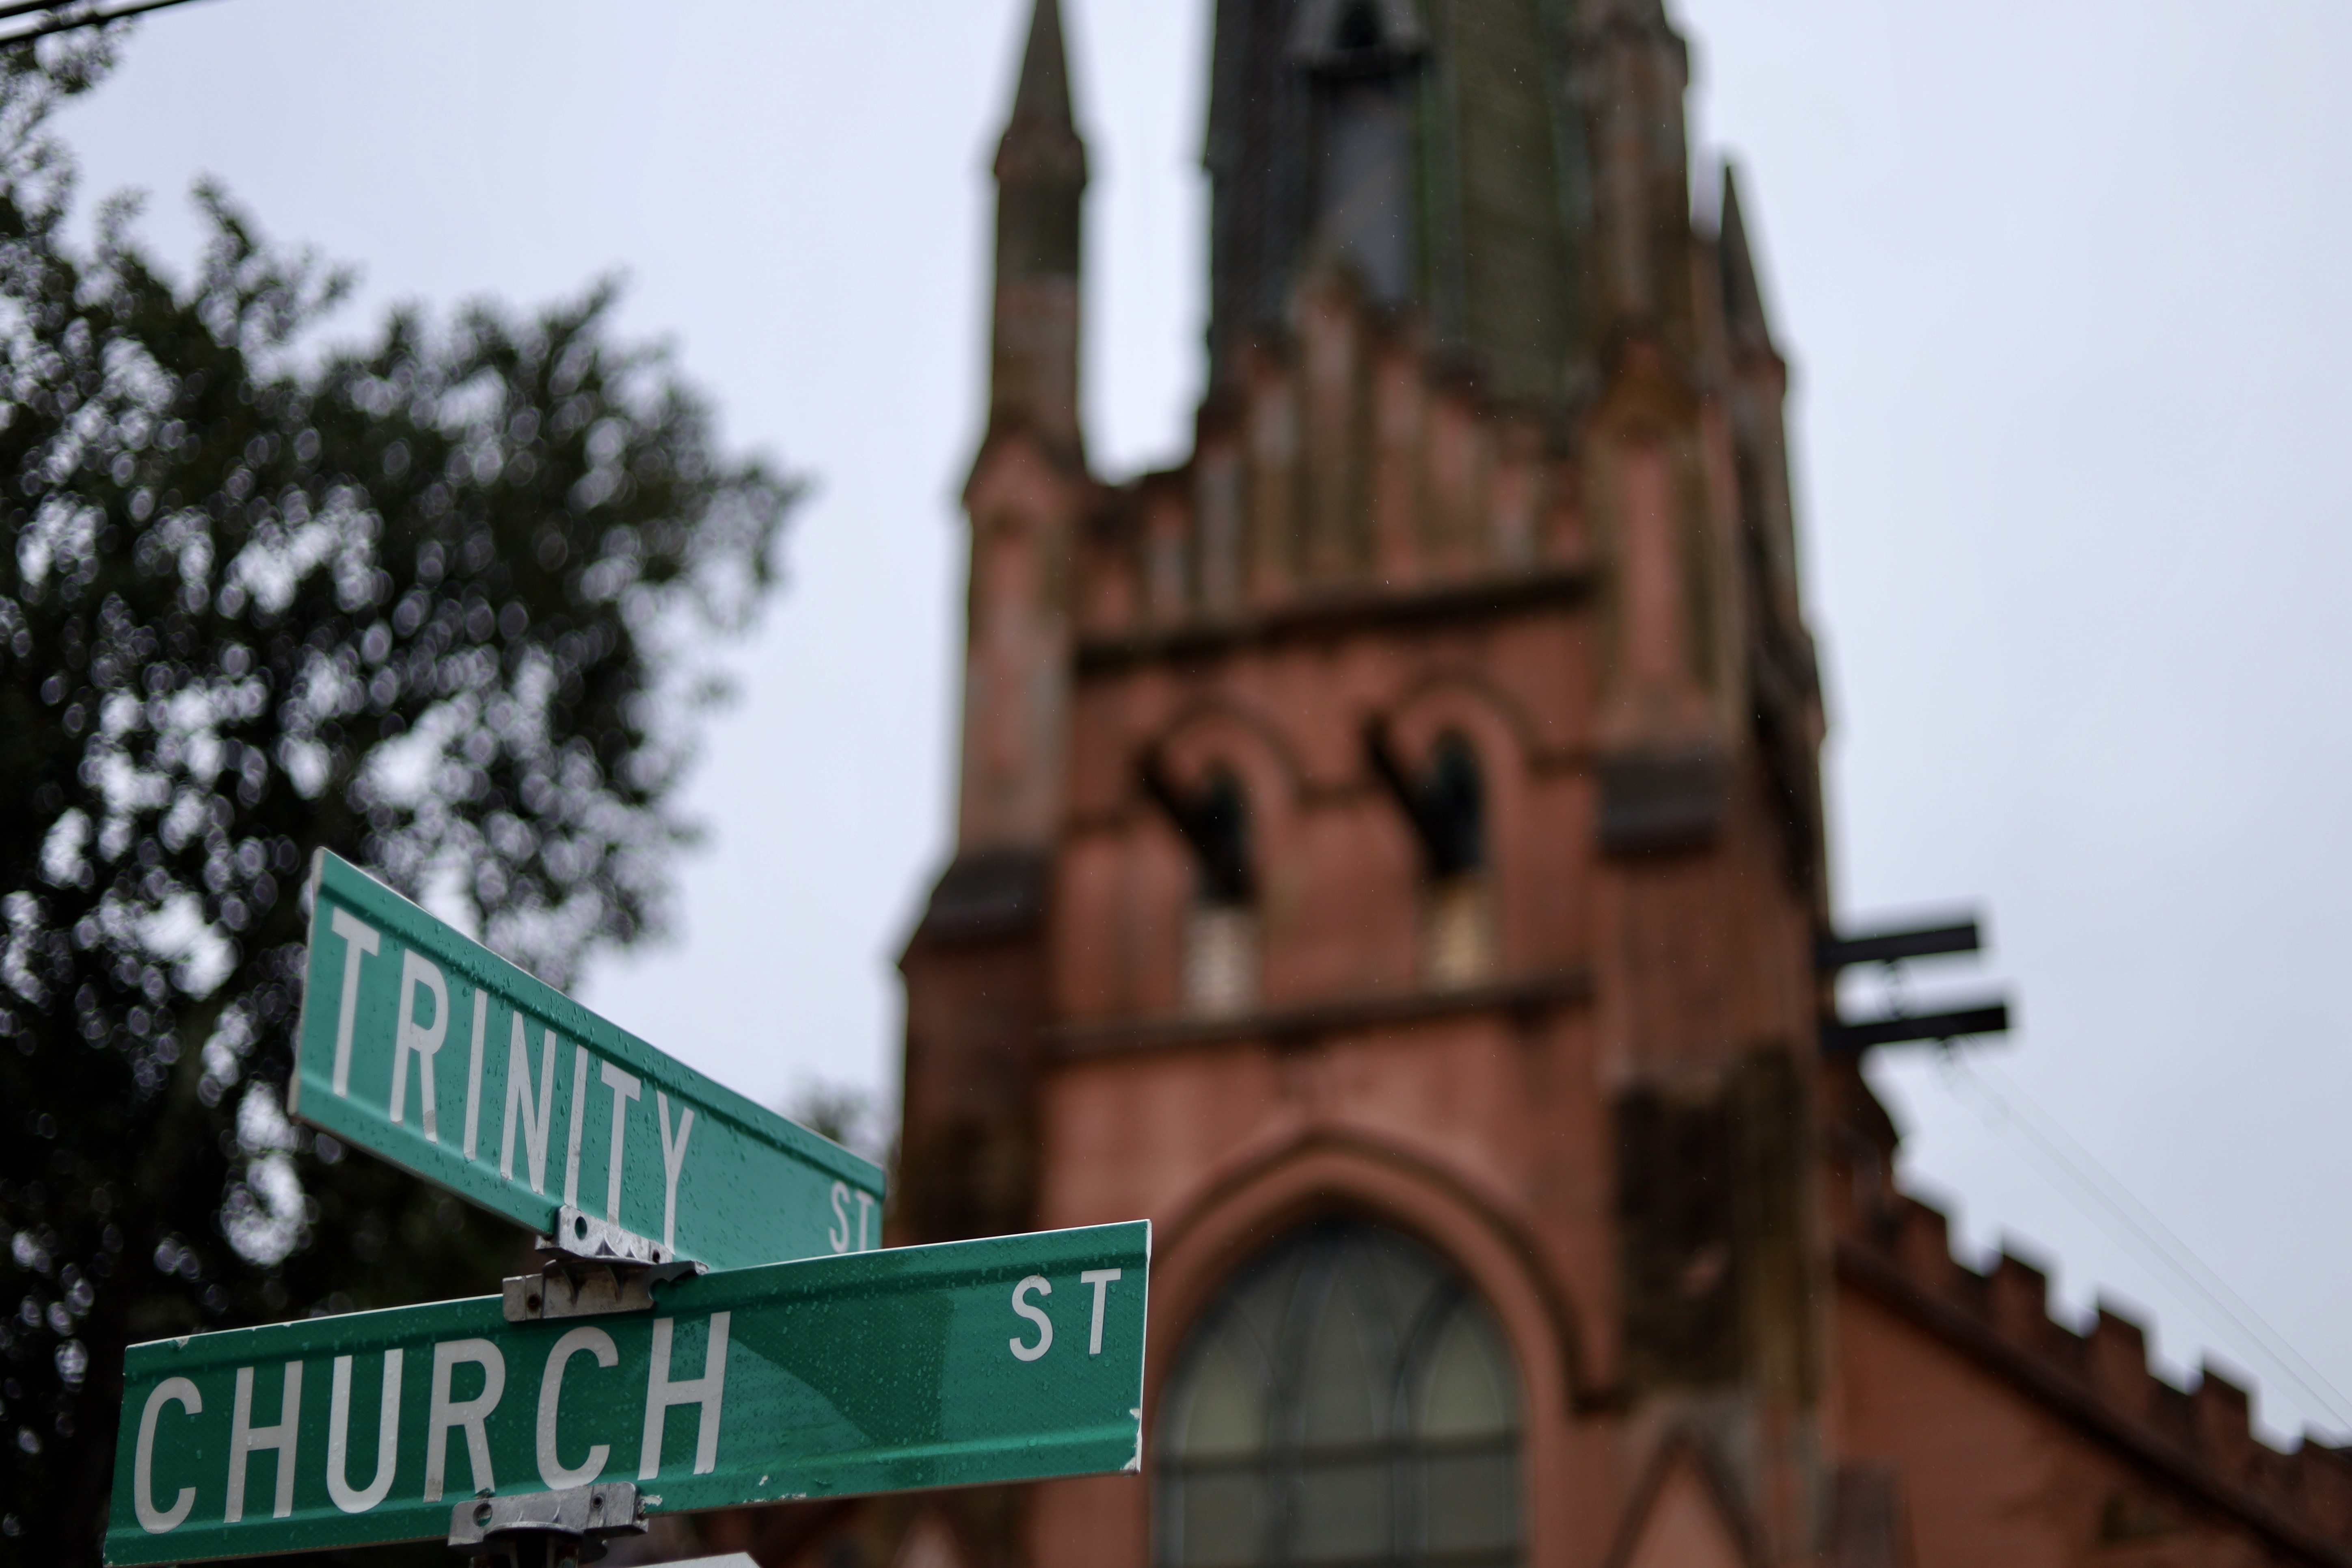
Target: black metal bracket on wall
x,y
1833,952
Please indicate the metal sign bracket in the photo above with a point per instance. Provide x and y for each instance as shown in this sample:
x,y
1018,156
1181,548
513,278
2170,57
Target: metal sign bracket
x,y
547,1530
592,1267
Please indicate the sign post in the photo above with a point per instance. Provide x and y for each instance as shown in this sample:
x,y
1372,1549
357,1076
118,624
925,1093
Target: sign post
x,y
427,1048
1015,1358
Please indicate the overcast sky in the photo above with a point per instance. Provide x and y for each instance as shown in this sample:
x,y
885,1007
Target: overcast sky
x,y
2062,285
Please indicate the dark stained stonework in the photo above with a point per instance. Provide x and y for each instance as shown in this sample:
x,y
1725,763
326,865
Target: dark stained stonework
x,y
1435,152
1656,802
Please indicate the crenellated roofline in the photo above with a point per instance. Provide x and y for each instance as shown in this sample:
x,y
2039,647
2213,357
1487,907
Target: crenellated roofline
x,y
2200,1439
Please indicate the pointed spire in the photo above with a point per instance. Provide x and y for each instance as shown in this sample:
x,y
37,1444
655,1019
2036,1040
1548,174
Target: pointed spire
x,y
1041,181
1041,142
1045,89
1743,295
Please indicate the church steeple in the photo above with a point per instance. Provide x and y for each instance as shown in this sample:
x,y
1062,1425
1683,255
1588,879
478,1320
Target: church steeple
x,y
1041,180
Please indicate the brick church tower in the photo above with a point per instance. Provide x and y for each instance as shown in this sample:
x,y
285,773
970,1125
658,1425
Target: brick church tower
x,y
1390,859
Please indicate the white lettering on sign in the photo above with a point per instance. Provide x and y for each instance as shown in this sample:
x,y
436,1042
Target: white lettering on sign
x,y
841,1235
1035,1314
838,1237
444,1414
418,972
359,940
245,1438
551,1469
474,1070
571,1132
347,1497
624,1089
673,1161
438,994
153,1520
661,1393
535,1123
1100,1279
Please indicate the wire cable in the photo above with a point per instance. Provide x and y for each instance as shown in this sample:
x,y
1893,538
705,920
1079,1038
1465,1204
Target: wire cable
x,y
57,24
26,7
2044,1139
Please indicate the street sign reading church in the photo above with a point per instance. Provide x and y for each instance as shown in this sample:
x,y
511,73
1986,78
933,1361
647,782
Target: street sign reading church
x,y
1013,1358
423,1046
785,1373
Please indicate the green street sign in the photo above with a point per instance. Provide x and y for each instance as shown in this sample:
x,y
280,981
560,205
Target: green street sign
x,y
1015,1358
428,1049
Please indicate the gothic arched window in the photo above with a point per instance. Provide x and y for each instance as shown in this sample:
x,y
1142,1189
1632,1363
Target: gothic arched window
x,y
1220,832
1220,971
1347,1400
1458,910
1221,933
1454,810
1445,802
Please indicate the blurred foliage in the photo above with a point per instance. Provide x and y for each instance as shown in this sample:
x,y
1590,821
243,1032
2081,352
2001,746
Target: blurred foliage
x,y
847,1113
431,603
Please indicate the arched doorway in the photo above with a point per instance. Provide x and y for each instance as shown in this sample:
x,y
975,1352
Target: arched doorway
x,y
1347,1399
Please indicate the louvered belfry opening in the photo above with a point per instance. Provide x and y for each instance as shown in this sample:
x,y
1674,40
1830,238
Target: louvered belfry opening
x,y
1457,899
1220,923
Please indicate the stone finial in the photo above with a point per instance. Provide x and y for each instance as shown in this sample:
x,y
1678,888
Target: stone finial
x,y
1041,142
1743,293
1041,177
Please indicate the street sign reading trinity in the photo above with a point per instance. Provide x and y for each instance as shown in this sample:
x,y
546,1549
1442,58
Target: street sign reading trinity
x,y
555,1409
428,1049
1014,1358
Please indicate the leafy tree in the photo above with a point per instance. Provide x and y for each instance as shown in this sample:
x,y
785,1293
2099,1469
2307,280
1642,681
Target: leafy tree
x,y
431,603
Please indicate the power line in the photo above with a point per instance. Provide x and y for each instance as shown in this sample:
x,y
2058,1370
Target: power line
x,y
54,22
2155,1242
